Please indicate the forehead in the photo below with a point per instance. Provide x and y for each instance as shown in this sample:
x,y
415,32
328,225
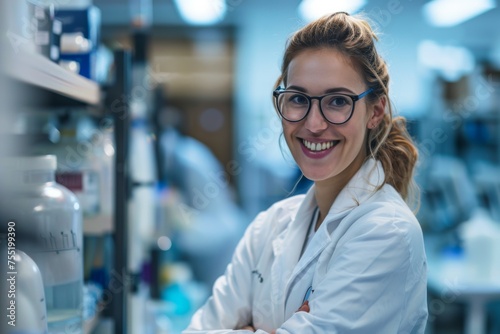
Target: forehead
x,y
320,69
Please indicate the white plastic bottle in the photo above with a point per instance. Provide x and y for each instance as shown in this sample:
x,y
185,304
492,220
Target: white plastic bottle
x,y
23,297
78,169
48,218
481,239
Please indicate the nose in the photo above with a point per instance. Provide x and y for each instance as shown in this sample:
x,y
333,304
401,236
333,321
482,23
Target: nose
x,y
315,122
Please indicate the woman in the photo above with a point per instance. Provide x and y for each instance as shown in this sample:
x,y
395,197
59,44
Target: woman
x,y
347,257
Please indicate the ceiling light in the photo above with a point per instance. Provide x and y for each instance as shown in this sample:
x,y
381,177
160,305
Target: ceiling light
x,y
447,13
313,9
450,62
201,12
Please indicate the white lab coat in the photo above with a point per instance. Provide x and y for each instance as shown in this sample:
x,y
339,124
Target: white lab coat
x,y
366,264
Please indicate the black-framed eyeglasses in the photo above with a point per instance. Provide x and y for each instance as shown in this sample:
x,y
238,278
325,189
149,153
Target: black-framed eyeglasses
x,y
336,108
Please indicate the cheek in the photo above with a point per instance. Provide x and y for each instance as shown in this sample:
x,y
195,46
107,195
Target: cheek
x,y
355,136
359,126
287,130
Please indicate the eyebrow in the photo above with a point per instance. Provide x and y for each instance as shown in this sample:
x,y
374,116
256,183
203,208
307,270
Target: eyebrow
x,y
330,90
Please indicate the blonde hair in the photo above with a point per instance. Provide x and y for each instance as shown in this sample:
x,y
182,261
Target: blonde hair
x,y
389,142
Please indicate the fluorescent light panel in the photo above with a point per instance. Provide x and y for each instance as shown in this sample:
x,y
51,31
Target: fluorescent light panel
x,y
447,13
451,62
201,12
313,9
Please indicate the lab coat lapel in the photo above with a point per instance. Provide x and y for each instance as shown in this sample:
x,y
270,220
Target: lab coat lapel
x,y
301,277
359,189
361,186
287,248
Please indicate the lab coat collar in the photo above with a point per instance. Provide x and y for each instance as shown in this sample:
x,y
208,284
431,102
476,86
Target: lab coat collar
x,y
289,243
360,188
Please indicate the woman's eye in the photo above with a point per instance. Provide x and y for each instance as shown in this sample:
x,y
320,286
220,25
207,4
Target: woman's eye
x,y
298,99
338,101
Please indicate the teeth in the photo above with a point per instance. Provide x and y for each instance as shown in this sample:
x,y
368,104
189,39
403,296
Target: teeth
x,y
318,146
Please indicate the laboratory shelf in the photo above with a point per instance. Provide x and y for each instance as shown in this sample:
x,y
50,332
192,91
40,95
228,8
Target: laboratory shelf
x,y
36,70
39,84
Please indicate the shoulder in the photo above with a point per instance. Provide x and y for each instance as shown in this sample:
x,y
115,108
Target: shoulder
x,y
277,217
384,206
386,217
287,207
268,224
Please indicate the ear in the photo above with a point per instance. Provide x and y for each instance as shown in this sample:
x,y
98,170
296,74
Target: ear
x,y
377,113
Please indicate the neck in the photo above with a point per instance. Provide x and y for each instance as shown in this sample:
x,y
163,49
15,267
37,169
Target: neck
x,y
325,195
326,191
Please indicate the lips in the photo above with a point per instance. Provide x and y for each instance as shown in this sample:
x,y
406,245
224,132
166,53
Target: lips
x,y
317,149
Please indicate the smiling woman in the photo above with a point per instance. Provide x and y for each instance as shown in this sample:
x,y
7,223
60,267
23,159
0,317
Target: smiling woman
x,y
320,71
348,257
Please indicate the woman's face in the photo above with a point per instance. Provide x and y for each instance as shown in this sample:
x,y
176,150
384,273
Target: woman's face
x,y
316,72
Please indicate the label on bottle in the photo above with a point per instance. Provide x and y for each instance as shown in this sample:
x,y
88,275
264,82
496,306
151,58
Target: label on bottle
x,y
85,185
71,180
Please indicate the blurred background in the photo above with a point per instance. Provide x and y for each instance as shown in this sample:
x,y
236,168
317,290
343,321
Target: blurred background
x,y
164,144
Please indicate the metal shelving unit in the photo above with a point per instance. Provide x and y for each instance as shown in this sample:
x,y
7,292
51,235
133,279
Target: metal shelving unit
x,y
37,71
120,92
43,83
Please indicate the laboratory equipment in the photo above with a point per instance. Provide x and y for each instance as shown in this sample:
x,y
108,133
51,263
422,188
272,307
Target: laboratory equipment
x,y
487,183
481,240
449,192
49,222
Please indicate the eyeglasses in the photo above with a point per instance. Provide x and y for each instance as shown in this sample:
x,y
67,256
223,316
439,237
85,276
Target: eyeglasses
x,y
336,108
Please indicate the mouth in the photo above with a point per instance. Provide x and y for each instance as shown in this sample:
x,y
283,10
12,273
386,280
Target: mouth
x,y
319,147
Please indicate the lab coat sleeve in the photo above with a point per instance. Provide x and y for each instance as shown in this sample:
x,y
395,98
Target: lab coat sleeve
x,y
375,283
229,307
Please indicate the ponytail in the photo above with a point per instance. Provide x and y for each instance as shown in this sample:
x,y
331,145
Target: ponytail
x,y
392,145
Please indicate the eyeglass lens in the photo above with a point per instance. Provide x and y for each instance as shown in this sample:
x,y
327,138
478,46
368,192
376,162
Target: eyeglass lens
x,y
294,106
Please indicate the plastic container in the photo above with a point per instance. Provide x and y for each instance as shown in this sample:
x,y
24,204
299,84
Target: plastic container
x,y
48,218
142,206
481,239
77,167
23,296
78,171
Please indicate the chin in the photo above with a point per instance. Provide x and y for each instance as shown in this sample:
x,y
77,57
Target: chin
x,y
316,176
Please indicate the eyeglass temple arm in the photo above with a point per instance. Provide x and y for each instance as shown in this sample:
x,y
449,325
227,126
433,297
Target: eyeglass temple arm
x,y
360,96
